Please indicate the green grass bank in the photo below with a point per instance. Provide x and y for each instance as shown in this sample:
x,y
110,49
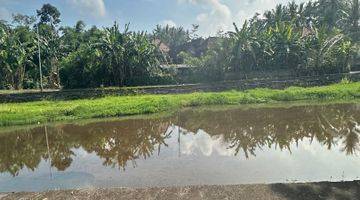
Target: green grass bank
x,y
50,111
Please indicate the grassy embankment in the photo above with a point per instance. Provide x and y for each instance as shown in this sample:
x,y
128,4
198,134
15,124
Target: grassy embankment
x,y
47,111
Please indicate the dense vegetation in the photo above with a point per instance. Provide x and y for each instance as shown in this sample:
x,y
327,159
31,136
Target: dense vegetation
x,y
313,38
47,111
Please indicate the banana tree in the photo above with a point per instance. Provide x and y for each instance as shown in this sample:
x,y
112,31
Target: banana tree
x,y
286,46
141,56
4,54
16,53
112,46
243,53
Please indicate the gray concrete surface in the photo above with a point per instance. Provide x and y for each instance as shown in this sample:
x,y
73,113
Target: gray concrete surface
x,y
299,191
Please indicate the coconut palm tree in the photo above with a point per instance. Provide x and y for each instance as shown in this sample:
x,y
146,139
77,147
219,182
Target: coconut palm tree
x,y
319,46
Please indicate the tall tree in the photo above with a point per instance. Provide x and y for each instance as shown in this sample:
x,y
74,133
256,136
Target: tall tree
x,y
49,20
49,14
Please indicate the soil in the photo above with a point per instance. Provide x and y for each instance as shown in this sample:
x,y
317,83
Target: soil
x,y
295,191
34,95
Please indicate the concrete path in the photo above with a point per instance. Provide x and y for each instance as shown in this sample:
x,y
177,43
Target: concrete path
x,y
311,191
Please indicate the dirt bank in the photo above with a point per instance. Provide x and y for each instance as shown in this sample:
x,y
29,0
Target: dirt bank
x,y
33,95
301,191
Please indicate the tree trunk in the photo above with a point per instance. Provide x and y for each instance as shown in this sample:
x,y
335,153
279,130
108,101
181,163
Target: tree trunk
x,y
55,76
19,78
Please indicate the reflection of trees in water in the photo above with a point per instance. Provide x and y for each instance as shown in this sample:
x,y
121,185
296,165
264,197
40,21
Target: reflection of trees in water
x,y
115,142
128,142
19,151
253,129
340,126
120,142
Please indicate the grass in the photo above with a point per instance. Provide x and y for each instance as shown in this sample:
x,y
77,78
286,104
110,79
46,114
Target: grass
x,y
51,111
99,88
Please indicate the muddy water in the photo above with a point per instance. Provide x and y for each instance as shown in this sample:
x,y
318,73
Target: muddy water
x,y
192,147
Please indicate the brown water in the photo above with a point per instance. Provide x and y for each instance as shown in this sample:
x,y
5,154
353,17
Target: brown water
x,y
193,147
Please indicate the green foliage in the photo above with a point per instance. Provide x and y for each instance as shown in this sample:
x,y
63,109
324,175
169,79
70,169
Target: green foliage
x,y
314,38
345,81
174,38
306,39
16,50
49,14
109,58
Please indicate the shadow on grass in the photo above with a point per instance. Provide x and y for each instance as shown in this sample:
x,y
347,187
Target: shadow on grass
x,y
319,191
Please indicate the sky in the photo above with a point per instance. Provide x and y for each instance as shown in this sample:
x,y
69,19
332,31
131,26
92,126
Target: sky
x,y
211,15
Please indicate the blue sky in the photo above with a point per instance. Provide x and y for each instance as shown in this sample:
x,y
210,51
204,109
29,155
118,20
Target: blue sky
x,y
211,15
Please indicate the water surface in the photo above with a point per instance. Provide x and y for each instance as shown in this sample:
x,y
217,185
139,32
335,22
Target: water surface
x,y
192,147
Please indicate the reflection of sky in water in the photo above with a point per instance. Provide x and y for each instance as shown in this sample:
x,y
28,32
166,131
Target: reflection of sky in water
x,y
203,143
203,160
42,179
192,158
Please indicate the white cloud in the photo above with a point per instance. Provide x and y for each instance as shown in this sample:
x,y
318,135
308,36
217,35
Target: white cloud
x,y
95,8
219,18
170,23
5,14
203,143
220,14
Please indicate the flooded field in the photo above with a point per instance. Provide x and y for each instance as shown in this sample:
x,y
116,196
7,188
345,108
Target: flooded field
x,y
192,147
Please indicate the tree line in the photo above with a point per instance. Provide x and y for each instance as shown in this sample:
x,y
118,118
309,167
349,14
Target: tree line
x,y
314,38
311,38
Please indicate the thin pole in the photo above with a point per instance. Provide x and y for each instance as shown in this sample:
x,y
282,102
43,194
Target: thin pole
x,y
48,150
39,54
179,134
179,141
